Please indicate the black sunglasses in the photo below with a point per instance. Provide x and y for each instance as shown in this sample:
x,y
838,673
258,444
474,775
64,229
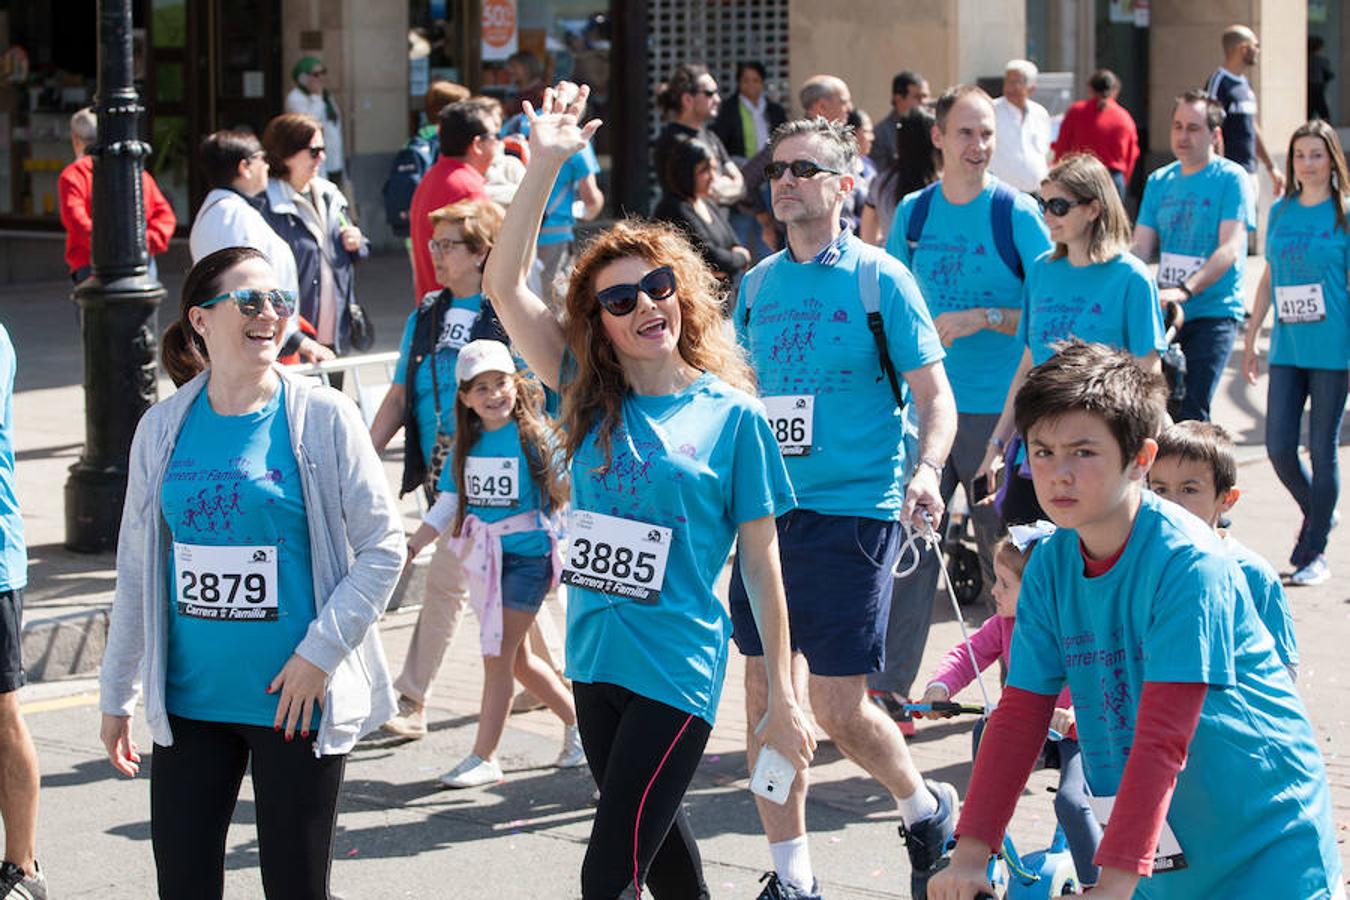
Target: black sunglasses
x,y
706,92
251,302
621,299
800,168
316,152
1058,206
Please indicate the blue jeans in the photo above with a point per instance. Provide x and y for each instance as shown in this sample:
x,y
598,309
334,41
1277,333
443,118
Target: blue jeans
x,y
1316,493
1206,344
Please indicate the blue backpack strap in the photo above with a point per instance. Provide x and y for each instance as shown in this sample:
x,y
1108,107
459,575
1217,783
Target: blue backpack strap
x,y
1001,214
918,216
753,281
869,292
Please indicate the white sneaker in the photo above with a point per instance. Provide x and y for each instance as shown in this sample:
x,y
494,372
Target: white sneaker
x,y
411,721
572,754
1315,572
473,772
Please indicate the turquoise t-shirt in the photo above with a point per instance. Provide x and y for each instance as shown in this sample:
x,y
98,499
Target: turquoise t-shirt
x,y
809,343
687,469
558,219
957,266
501,486
1272,606
1113,303
454,334
1186,211
1251,810
13,553
233,481
1304,247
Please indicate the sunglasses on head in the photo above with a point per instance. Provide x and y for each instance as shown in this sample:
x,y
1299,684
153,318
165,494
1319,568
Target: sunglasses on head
x,y
1058,206
251,302
316,152
800,168
621,299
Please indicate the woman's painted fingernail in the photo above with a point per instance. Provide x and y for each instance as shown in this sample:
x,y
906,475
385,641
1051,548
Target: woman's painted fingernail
x,y
305,733
276,727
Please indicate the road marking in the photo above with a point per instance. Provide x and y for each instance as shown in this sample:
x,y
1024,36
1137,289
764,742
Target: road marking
x,y
85,698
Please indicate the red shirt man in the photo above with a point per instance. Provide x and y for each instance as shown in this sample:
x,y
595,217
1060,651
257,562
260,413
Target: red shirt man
x,y
468,139
75,192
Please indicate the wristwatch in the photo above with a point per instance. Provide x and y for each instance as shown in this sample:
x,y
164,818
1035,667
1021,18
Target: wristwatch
x,y
993,316
1185,288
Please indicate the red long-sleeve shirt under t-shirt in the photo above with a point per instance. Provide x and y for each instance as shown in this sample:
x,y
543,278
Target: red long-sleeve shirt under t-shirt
x,y
75,195
1108,133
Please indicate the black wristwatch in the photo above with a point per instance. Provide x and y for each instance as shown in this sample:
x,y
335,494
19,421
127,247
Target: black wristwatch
x,y
1185,289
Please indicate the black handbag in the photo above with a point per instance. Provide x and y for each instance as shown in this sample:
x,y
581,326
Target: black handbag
x,y
362,330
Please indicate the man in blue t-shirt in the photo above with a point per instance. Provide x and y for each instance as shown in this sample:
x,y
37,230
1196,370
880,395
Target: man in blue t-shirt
x,y
1229,86
1196,213
830,385
977,241
19,875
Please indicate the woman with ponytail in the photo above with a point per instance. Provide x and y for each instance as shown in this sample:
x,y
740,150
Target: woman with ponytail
x,y
259,545
1101,126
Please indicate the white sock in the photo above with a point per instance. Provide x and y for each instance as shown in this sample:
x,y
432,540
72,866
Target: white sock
x,y
917,806
792,862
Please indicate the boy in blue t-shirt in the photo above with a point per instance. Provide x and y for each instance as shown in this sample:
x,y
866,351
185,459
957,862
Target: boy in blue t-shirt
x,y
1196,469
1197,750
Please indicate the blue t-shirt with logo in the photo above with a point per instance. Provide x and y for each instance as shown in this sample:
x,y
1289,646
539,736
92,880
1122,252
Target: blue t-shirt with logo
x,y
958,267
1113,303
13,553
1251,809
559,221
807,337
233,481
455,329
699,462
1304,247
1272,606
1186,211
502,487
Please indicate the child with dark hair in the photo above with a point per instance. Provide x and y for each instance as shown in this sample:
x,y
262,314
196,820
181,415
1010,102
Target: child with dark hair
x,y
1184,713
1196,469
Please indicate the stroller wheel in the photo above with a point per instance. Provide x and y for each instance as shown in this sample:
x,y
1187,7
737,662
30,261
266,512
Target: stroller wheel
x,y
963,565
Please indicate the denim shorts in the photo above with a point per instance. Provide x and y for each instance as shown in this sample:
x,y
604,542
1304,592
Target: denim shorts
x,y
525,581
837,574
11,641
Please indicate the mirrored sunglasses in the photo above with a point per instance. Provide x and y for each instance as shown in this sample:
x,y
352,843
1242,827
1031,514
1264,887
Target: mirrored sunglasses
x,y
251,302
621,299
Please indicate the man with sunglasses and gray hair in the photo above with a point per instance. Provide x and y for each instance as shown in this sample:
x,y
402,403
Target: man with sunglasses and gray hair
x,y
840,339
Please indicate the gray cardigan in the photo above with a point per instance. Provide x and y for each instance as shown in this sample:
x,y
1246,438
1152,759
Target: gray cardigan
x,y
356,544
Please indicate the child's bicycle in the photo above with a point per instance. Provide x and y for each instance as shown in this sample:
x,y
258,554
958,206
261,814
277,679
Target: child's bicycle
x,y
1038,875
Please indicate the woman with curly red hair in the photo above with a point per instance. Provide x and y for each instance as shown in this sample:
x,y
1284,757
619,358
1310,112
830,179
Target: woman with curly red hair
x,y
671,458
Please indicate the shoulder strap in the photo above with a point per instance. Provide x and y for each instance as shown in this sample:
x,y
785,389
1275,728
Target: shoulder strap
x,y
918,216
1001,213
753,280
869,291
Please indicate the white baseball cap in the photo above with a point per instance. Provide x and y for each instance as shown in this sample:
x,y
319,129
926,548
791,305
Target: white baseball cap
x,y
477,357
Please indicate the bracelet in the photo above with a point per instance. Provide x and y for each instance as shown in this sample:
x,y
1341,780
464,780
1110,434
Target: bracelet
x,y
997,443
925,461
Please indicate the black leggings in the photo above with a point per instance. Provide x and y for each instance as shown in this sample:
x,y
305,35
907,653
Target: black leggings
x,y
194,786
643,755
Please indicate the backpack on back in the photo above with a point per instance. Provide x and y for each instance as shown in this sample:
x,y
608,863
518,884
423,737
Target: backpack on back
x,y
405,174
1000,216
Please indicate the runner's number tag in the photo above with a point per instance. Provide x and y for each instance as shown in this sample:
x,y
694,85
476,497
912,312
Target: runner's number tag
x,y
792,418
226,583
1168,857
492,481
1174,268
617,556
455,330
1298,304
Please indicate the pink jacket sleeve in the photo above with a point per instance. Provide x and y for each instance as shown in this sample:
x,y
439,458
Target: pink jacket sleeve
x,y
955,671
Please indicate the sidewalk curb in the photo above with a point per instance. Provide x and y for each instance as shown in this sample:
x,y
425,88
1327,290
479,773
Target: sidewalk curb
x,y
61,646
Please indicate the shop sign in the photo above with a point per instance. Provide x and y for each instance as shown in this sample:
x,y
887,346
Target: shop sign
x,y
500,31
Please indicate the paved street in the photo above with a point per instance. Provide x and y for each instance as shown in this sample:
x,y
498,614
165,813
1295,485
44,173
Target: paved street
x,y
400,837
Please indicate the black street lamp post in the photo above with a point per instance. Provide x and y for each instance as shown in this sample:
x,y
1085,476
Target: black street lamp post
x,y
118,302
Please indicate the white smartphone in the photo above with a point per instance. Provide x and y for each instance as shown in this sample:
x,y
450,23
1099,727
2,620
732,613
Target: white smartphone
x,y
773,775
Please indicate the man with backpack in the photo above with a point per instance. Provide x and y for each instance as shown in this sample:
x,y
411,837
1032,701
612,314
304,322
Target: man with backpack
x,y
969,239
839,339
416,157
